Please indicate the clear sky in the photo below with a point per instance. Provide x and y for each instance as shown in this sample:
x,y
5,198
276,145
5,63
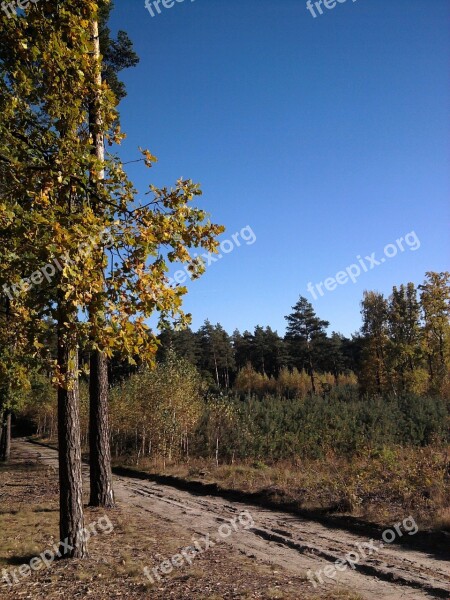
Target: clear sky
x,y
327,136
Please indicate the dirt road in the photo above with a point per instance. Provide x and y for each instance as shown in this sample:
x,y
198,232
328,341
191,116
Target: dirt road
x,y
298,546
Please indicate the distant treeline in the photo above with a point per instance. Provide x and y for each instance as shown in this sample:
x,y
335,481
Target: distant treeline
x,y
403,346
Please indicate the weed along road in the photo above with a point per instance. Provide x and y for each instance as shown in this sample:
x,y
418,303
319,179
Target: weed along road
x,y
326,557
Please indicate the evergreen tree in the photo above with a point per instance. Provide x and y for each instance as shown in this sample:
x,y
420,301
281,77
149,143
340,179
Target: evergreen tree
x,y
117,54
216,353
242,347
305,335
352,350
332,359
258,350
183,342
275,352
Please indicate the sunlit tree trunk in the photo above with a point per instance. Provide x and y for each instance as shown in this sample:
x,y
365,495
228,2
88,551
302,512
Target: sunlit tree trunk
x,y
101,486
69,443
101,491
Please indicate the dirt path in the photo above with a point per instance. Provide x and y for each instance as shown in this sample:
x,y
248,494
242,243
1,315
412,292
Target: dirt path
x,y
292,543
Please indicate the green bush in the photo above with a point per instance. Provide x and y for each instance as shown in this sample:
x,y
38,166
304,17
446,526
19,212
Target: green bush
x,y
274,428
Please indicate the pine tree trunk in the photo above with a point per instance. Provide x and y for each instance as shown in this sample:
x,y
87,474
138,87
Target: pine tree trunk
x,y
99,442
101,492
69,442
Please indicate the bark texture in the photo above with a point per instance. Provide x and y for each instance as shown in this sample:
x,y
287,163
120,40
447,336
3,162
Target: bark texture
x,y
69,440
99,443
101,486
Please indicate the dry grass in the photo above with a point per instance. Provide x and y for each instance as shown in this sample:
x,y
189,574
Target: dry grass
x,y
442,519
380,487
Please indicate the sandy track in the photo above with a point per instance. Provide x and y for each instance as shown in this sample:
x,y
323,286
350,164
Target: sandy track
x,y
289,542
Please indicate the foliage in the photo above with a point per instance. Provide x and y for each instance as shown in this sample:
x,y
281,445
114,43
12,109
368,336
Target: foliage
x,y
56,205
435,300
156,410
406,339
40,405
290,383
272,428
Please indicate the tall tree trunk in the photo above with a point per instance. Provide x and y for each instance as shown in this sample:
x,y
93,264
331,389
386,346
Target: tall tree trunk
x,y
101,492
5,443
69,442
99,436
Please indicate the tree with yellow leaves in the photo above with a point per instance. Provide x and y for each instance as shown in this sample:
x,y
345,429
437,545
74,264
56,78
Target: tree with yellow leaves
x,y
62,202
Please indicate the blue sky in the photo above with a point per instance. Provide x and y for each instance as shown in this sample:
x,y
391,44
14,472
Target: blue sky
x,y
328,136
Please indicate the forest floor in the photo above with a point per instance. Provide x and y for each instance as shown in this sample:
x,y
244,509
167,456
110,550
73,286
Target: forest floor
x,y
254,552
